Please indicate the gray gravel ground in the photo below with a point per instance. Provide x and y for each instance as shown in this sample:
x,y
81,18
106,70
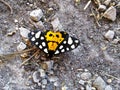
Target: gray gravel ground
x,y
94,65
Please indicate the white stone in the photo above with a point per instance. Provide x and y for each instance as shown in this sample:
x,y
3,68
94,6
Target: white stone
x,y
107,2
82,82
86,75
36,15
42,73
99,83
36,76
24,32
44,81
110,35
56,24
53,78
21,46
108,87
110,13
102,7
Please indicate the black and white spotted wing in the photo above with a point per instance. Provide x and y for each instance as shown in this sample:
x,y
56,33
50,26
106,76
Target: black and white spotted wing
x,y
37,38
68,44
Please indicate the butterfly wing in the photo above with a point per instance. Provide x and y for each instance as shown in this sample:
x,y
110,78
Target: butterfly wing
x,y
37,38
68,44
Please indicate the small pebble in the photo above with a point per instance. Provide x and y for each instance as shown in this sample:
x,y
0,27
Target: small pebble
x,y
110,13
36,15
15,20
42,73
56,24
64,87
49,64
93,88
36,76
40,25
116,41
24,32
108,87
53,78
109,81
43,86
24,55
99,83
44,81
107,2
86,75
110,35
21,46
56,83
102,7
88,87
82,82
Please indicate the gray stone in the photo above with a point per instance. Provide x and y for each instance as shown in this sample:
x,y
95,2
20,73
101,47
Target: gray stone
x,y
53,78
36,76
42,73
107,2
102,7
44,81
110,35
108,87
99,83
36,15
88,87
110,13
56,24
21,46
86,75
24,32
82,82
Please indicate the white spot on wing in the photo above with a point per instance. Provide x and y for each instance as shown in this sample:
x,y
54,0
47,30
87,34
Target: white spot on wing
x,y
61,47
43,44
33,39
37,35
73,46
36,43
76,41
57,52
32,33
64,42
70,41
42,38
40,46
67,49
45,50
63,50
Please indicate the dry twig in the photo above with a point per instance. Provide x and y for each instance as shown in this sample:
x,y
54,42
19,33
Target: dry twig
x,y
11,10
86,6
29,58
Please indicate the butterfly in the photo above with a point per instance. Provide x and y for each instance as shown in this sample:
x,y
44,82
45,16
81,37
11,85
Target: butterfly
x,y
53,43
